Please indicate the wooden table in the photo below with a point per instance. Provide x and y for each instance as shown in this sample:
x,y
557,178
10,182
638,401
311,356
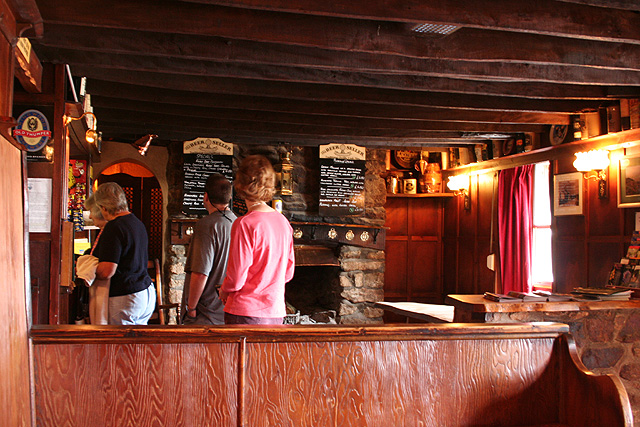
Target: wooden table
x,y
474,308
433,313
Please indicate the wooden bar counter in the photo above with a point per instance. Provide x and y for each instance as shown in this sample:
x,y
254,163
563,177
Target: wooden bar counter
x,y
475,308
607,333
391,375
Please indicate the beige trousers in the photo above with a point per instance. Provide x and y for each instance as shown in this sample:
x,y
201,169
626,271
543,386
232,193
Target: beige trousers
x,y
99,302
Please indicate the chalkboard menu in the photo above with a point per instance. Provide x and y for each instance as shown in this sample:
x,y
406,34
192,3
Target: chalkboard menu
x,y
342,171
200,162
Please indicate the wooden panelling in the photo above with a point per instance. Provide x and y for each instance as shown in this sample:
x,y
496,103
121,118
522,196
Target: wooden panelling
x,y
397,216
136,384
395,278
15,401
629,220
39,250
414,249
424,217
601,258
424,276
466,267
301,388
569,265
15,383
437,374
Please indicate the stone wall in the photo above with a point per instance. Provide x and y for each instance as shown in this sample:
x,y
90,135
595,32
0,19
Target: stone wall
x,y
608,342
361,279
361,285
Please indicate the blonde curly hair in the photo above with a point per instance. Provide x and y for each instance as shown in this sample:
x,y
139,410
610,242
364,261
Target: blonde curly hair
x,y
255,179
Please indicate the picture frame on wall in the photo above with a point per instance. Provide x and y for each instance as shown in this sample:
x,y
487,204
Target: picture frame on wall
x,y
567,194
629,182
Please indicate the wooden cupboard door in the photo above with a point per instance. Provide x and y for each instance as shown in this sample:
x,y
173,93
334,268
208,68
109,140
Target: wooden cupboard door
x,y
395,277
414,250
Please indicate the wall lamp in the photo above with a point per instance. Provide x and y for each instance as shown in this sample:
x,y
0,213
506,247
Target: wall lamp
x,y
142,144
91,135
459,184
593,165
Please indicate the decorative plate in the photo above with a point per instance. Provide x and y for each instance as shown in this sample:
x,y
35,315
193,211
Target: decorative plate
x,y
557,134
405,158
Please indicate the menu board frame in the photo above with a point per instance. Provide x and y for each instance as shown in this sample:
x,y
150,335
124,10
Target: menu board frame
x,y
201,158
342,180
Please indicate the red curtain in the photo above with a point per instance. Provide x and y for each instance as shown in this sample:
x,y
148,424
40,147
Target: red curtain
x,y
515,227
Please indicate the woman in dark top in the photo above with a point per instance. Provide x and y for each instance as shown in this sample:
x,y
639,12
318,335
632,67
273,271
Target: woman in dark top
x,y
123,256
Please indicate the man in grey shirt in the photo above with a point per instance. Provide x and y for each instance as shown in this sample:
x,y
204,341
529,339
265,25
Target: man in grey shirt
x,y
207,256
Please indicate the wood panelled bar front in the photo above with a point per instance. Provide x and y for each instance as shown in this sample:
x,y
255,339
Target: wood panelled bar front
x,y
397,375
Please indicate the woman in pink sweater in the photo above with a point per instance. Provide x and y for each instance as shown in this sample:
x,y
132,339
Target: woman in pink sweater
x,y
261,256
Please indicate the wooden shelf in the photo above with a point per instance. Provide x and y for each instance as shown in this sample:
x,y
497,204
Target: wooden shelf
x,y
611,141
421,195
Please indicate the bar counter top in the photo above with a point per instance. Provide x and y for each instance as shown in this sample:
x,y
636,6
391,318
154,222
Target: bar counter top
x,y
477,304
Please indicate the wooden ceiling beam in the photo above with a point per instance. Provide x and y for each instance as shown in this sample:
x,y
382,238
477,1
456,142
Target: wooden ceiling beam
x,y
318,31
316,125
307,97
429,77
399,114
465,44
543,16
171,134
616,4
410,107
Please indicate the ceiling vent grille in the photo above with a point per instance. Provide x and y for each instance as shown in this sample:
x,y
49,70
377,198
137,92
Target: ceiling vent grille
x,y
434,29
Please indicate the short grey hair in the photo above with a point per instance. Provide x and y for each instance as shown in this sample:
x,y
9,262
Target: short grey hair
x,y
111,197
91,205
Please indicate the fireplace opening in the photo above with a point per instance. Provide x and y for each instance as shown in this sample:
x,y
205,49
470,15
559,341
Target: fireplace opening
x,y
313,295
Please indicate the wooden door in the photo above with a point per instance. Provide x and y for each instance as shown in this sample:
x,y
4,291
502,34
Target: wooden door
x,y
413,250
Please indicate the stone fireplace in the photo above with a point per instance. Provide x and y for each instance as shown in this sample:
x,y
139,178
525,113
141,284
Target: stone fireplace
x,y
340,261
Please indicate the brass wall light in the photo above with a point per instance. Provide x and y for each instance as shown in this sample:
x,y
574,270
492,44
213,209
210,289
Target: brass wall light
x,y
459,184
593,165
142,144
91,135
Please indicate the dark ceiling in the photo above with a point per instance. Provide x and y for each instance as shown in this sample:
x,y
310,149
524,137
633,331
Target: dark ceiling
x,y
307,72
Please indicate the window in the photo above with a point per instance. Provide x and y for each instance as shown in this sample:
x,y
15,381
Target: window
x,y
541,267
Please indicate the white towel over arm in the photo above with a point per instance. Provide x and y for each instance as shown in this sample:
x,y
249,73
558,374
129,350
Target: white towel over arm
x,y
86,268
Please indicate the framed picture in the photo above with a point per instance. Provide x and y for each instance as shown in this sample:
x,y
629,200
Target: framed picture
x,y
629,182
567,194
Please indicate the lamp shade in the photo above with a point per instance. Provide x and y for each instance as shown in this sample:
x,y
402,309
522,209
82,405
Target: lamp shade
x,y
458,182
591,160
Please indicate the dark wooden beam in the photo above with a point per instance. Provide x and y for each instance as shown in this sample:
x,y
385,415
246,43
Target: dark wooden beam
x,y
616,4
339,111
554,18
460,75
318,125
465,44
315,92
128,133
542,16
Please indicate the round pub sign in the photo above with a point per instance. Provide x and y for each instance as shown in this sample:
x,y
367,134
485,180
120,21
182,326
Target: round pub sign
x,y
32,130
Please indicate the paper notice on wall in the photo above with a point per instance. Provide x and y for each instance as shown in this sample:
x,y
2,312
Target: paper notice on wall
x,y
39,193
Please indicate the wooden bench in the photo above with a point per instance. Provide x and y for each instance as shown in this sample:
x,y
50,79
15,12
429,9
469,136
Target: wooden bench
x,y
388,375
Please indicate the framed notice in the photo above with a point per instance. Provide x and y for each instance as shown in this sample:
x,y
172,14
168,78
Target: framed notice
x,y
203,157
39,193
567,194
342,170
629,182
